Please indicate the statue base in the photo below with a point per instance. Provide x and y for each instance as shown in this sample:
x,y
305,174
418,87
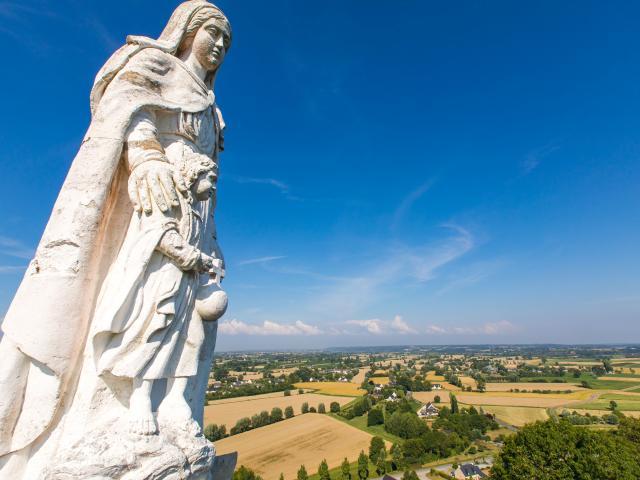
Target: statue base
x,y
173,454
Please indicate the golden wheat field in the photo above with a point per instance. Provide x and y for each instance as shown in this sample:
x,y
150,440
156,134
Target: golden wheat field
x,y
333,388
247,375
307,439
432,377
229,411
517,416
505,387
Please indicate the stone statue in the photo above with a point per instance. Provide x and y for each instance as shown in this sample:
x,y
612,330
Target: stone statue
x,y
109,340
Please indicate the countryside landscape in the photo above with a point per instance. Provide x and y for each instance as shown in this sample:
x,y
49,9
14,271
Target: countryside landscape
x,y
432,410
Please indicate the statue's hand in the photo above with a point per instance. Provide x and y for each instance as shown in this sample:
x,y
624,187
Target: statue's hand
x,y
155,180
206,263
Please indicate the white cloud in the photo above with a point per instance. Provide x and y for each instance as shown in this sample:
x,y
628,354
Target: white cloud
x,y
373,326
400,326
376,326
237,327
261,260
490,328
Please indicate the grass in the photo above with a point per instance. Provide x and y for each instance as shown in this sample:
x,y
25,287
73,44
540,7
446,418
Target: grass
x,y
361,424
345,389
595,383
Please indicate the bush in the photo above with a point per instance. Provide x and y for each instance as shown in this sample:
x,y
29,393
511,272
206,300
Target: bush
x,y
312,410
287,393
375,417
300,392
334,407
305,407
405,425
375,447
436,399
276,415
321,408
213,432
244,473
288,412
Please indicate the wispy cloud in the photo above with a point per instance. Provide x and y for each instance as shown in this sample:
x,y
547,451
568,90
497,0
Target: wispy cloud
x,y
399,263
267,328
471,275
282,187
377,326
407,203
12,268
501,327
261,260
534,157
15,248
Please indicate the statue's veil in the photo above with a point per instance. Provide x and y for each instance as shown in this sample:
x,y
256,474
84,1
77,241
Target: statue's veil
x,y
170,40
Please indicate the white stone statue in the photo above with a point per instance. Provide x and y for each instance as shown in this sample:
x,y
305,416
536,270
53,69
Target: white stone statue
x,y
108,343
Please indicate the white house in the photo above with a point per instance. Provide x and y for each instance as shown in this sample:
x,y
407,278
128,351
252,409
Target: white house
x,y
436,386
428,410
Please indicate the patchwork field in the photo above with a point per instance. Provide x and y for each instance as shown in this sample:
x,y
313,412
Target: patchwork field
x,y
333,388
251,397
505,387
432,377
626,402
229,411
517,416
510,399
247,375
284,446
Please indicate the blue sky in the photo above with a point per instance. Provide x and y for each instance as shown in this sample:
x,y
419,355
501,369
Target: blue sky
x,y
396,172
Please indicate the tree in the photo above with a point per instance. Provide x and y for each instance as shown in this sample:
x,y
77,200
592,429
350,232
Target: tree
x,y
397,460
287,393
312,410
554,450
410,475
381,463
213,432
436,399
302,473
481,385
276,415
454,403
323,471
244,473
375,447
613,405
305,407
363,466
300,391
321,408
281,476
375,417
288,412
334,407
345,469
242,425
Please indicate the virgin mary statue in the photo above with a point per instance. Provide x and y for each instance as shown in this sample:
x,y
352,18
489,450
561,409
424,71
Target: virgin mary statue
x,y
108,343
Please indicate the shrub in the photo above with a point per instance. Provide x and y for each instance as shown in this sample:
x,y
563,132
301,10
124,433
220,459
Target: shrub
x,y
334,407
321,408
305,407
287,393
375,417
375,447
288,412
312,410
213,432
276,415
244,473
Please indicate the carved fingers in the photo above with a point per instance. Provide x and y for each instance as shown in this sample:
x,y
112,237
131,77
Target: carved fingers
x,y
152,183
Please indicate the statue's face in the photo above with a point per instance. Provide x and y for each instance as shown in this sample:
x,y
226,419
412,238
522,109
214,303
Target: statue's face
x,y
211,43
204,185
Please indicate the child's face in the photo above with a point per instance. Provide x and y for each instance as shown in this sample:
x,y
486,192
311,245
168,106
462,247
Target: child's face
x,y
204,185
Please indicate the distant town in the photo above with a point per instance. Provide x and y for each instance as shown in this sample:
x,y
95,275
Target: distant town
x,y
432,412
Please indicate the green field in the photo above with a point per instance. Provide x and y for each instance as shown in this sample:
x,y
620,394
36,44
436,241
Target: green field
x,y
593,382
625,402
361,424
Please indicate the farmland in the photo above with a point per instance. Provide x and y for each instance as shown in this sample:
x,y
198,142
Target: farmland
x,y
229,411
333,388
284,446
517,416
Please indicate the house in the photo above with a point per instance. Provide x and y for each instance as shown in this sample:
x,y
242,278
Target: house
x,y
393,397
468,471
428,410
436,386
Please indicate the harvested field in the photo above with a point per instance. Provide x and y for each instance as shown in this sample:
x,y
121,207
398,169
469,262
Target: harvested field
x,y
380,380
517,416
469,382
359,378
505,399
304,440
425,397
621,379
284,371
247,375
251,397
333,388
432,377
505,387
229,411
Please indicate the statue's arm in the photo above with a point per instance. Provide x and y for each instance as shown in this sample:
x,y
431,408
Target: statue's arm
x,y
152,179
184,255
